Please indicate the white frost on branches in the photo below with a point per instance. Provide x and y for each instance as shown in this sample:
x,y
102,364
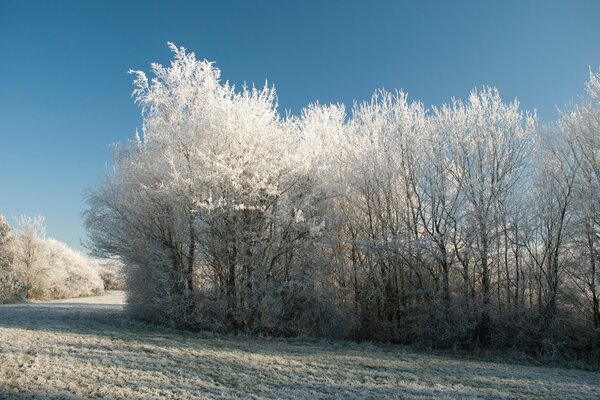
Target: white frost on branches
x,y
442,225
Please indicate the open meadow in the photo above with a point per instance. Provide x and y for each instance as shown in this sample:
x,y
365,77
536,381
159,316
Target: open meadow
x,y
86,348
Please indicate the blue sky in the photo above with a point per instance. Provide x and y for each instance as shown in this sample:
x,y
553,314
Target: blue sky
x,y
65,93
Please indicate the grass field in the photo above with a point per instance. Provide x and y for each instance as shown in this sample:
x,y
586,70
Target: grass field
x,y
85,348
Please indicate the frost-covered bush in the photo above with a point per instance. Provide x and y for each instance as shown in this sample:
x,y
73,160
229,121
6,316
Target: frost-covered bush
x,y
6,237
112,274
34,267
12,287
59,272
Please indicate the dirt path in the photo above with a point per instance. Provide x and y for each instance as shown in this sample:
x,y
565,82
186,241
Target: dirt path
x,y
114,297
86,348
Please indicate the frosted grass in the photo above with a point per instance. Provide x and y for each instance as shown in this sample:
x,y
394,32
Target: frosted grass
x,y
85,348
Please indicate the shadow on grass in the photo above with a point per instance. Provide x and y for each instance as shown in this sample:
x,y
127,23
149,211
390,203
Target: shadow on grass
x,y
223,365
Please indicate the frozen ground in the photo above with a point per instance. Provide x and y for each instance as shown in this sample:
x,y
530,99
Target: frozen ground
x,y
84,348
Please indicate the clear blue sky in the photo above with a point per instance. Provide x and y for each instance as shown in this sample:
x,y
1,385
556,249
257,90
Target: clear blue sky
x,y
65,94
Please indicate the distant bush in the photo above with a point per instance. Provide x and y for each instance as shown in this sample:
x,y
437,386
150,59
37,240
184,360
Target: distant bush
x,y
33,267
12,288
60,272
111,272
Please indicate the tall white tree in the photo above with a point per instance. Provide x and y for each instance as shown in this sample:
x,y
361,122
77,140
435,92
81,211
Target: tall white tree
x,y
218,187
489,140
581,127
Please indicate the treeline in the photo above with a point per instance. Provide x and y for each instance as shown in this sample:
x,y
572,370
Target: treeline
x,y
460,226
33,267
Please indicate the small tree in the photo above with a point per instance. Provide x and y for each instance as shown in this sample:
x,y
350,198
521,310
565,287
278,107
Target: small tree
x,y
31,231
12,288
5,243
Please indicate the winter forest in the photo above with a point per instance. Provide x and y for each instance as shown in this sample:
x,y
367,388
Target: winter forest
x,y
462,226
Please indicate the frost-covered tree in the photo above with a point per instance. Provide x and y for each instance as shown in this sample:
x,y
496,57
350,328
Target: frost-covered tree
x,y
580,128
380,208
552,195
462,225
5,242
488,147
32,232
12,287
211,209
425,194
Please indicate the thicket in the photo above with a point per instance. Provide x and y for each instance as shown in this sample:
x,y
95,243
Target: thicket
x,y
33,267
467,225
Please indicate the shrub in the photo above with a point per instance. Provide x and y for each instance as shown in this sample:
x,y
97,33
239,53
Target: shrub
x,y
59,272
112,274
